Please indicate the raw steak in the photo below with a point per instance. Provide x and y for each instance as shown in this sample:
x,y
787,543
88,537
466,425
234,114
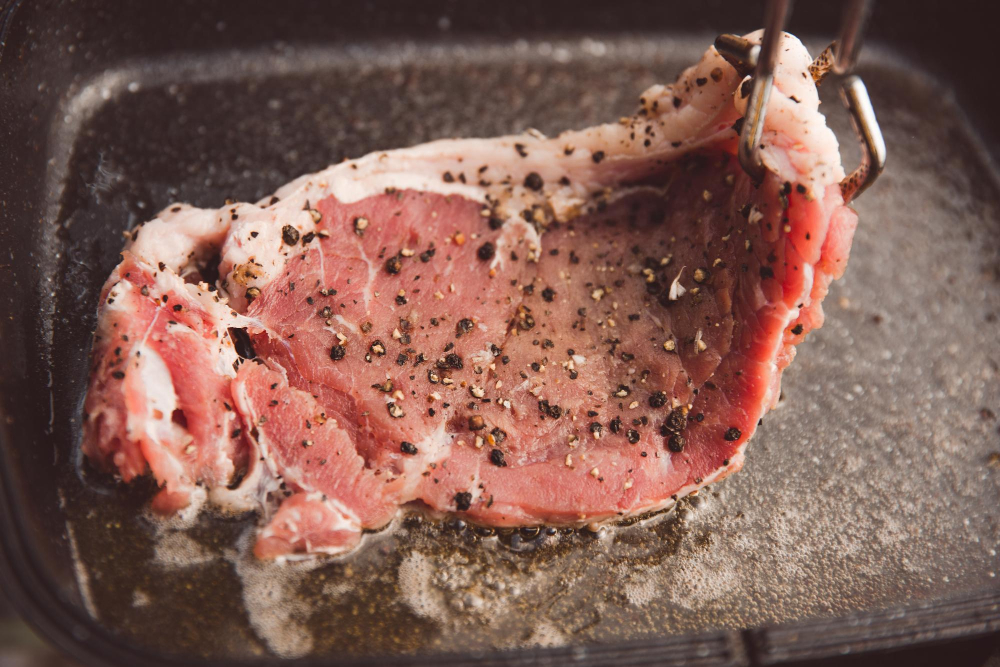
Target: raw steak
x,y
520,330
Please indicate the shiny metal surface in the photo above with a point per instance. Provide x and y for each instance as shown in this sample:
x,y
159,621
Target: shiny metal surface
x,y
848,43
775,16
738,52
854,95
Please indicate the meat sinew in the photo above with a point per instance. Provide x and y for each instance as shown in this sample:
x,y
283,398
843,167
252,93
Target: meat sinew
x,y
520,330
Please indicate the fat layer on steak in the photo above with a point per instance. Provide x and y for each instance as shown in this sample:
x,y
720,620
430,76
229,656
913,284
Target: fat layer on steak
x,y
521,330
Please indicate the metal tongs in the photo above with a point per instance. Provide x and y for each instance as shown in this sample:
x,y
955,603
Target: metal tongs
x,y
839,59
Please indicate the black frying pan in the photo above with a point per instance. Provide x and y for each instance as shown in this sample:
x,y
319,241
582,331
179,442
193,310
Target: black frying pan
x,y
870,489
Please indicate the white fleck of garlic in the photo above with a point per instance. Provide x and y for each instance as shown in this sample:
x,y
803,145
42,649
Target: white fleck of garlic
x,y
676,289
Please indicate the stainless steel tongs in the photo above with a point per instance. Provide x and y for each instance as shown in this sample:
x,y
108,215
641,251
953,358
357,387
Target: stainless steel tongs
x,y
838,60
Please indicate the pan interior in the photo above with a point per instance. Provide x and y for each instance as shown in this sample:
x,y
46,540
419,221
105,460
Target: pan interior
x,y
870,486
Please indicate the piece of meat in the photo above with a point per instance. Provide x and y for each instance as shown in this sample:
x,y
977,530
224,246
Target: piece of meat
x,y
522,330
159,393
